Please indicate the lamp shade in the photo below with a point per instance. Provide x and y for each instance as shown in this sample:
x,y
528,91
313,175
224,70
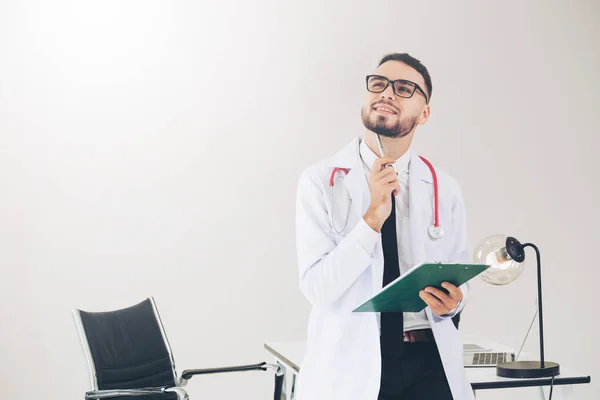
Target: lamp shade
x,y
496,251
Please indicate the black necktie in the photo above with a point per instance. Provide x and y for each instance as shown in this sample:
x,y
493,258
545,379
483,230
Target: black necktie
x,y
392,323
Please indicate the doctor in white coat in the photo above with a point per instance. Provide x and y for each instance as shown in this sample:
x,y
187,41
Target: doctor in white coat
x,y
341,243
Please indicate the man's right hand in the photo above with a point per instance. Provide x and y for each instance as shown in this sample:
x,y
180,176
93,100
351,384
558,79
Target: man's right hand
x,y
383,181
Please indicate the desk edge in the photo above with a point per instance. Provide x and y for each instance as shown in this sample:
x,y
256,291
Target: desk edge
x,y
282,358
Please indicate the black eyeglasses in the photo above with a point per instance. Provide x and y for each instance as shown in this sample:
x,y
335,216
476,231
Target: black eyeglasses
x,y
401,87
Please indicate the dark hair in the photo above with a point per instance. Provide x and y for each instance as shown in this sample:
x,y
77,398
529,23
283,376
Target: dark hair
x,y
411,62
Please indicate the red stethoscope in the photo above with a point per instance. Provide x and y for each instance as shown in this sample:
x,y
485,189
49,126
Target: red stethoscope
x,y
434,230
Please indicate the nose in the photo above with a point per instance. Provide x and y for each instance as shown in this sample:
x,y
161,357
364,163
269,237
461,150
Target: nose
x,y
388,93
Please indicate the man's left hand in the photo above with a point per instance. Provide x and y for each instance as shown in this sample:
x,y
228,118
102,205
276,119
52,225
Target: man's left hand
x,y
440,302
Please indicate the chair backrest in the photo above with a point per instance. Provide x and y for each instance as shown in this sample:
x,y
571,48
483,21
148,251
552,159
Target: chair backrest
x,y
126,348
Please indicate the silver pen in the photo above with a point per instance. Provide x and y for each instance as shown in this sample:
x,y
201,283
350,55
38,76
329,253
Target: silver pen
x,y
381,151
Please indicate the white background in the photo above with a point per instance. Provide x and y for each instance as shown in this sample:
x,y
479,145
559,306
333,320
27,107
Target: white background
x,y
152,148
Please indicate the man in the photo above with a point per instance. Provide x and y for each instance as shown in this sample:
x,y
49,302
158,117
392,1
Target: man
x,y
363,219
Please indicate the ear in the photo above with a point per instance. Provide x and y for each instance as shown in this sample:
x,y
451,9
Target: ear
x,y
425,114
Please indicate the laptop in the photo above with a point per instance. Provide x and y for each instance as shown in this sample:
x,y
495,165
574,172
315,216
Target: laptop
x,y
476,356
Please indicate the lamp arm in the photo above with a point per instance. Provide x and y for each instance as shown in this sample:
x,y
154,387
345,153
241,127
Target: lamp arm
x,y
539,283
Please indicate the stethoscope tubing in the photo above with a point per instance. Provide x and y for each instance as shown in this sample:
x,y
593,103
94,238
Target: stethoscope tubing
x,y
435,231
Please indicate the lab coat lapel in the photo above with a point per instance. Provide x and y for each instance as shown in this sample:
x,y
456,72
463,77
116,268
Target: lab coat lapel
x,y
356,180
420,192
358,189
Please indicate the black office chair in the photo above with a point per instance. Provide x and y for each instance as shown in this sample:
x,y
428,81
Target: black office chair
x,y
128,355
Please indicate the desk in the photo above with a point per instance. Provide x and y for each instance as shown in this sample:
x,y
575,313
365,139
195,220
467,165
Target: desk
x,y
290,354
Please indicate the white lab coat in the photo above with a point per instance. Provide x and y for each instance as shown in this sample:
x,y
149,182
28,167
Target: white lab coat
x,y
336,273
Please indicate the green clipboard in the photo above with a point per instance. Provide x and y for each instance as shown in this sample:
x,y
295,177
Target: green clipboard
x,y
402,295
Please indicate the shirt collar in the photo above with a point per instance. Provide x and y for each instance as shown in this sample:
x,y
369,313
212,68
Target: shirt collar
x,y
369,157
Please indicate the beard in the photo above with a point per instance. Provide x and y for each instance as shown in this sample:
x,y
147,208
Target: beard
x,y
380,125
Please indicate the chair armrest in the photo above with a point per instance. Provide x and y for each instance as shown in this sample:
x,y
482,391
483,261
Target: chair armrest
x,y
188,373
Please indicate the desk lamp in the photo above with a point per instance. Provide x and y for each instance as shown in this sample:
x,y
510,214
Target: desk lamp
x,y
506,255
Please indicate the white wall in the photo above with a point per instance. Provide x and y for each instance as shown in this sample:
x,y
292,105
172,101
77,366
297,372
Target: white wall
x,y
153,148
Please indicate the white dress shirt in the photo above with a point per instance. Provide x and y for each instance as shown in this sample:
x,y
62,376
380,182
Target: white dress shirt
x,y
418,320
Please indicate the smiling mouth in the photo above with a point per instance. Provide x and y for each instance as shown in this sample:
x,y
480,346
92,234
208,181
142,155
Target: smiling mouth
x,y
384,110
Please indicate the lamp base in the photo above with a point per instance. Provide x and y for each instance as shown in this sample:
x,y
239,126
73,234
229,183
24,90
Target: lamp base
x,y
527,369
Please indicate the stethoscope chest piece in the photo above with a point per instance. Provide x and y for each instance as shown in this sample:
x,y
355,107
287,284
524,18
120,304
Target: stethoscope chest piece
x,y
436,232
